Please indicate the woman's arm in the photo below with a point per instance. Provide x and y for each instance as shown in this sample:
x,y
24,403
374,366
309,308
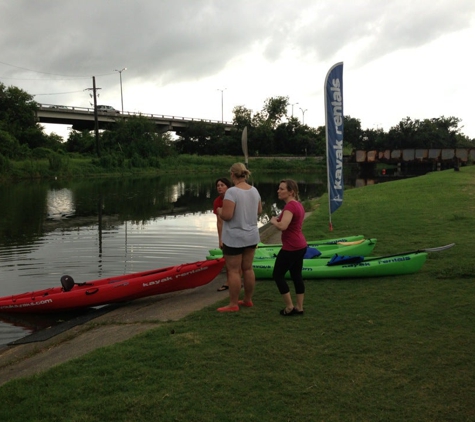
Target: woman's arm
x,y
227,211
219,225
284,221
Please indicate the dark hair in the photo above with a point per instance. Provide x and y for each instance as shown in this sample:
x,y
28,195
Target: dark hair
x,y
223,180
292,186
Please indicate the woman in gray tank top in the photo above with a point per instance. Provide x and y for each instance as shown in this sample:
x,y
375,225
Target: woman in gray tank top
x,y
241,208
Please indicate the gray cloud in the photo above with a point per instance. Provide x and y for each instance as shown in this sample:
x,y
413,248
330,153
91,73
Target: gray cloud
x,y
177,40
168,42
171,39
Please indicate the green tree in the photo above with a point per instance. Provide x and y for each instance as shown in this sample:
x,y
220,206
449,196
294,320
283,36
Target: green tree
x,y
320,141
261,140
242,117
268,135
17,117
9,145
135,136
352,133
275,108
373,139
293,138
203,139
81,142
402,135
442,132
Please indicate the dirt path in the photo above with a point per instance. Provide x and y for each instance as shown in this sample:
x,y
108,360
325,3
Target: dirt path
x,y
118,325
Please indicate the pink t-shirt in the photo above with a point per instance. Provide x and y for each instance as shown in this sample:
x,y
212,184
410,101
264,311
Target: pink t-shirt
x,y
293,238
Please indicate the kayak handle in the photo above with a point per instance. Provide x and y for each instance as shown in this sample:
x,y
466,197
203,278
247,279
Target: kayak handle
x,y
91,291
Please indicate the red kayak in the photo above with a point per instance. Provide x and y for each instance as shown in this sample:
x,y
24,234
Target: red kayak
x,y
114,289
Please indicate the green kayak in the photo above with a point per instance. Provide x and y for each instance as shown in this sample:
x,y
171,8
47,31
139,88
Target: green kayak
x,y
370,267
363,247
312,243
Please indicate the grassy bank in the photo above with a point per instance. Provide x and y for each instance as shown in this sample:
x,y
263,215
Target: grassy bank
x,y
381,349
69,167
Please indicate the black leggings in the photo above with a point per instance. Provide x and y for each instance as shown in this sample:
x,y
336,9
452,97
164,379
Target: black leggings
x,y
289,261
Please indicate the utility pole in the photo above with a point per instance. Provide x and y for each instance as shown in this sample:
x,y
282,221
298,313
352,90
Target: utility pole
x,y
121,94
96,121
222,104
293,108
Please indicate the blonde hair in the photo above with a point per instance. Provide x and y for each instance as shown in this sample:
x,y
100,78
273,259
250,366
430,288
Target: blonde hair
x,y
239,170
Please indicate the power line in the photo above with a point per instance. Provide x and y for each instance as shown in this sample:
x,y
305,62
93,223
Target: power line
x,y
47,79
58,93
46,73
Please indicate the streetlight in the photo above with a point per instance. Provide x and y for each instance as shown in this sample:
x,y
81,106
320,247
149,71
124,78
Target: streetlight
x,y
293,108
222,103
121,95
303,115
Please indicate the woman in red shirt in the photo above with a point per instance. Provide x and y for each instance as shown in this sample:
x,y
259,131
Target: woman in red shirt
x,y
294,246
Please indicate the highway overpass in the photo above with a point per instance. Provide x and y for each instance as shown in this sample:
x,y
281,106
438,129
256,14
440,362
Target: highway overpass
x,y
81,118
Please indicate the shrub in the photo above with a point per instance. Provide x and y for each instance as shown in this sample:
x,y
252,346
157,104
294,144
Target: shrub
x,y
154,162
5,165
9,146
41,152
56,162
137,161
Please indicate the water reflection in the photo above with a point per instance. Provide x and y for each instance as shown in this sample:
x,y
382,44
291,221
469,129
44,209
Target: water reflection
x,y
60,204
30,210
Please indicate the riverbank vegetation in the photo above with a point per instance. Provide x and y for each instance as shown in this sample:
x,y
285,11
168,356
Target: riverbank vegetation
x,y
61,166
132,145
389,348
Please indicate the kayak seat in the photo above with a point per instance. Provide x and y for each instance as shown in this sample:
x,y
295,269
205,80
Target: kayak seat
x,y
67,282
311,253
345,259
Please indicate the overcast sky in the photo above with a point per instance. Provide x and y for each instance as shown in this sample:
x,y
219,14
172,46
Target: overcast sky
x,y
402,58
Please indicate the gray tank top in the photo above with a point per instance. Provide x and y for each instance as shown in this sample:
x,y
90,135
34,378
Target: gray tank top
x,y
242,229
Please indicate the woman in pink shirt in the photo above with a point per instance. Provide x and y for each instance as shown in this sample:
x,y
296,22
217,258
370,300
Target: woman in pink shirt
x,y
294,246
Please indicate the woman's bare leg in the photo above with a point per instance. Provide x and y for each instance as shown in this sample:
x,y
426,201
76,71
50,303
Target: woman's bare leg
x,y
233,264
288,302
249,277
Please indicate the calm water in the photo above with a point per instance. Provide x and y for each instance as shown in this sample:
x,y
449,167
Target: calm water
x,y
100,228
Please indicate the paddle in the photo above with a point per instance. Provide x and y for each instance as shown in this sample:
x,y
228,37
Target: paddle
x,y
244,146
376,258
275,212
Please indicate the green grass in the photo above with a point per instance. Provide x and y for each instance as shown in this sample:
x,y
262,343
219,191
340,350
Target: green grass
x,y
381,349
70,166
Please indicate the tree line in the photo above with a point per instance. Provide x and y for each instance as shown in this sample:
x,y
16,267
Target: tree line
x,y
271,132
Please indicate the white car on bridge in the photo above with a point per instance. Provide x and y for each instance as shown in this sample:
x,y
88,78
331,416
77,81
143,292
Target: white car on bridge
x,y
107,109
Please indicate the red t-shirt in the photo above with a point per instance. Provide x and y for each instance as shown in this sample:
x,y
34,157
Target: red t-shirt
x,y
218,203
293,238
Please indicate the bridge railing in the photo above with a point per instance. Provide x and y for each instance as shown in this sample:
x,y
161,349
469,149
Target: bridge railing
x,y
86,110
